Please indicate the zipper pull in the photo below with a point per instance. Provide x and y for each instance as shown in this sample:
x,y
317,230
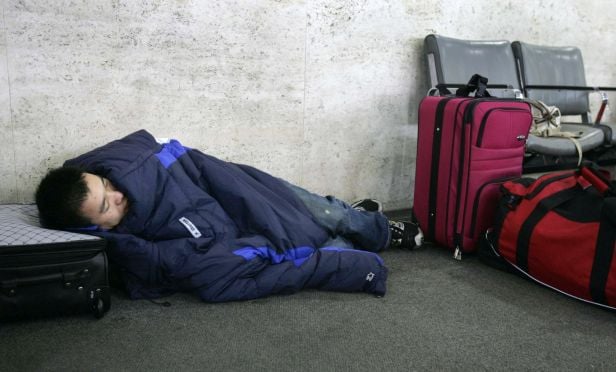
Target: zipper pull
x,y
457,254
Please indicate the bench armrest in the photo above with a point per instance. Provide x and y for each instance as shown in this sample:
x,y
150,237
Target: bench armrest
x,y
600,90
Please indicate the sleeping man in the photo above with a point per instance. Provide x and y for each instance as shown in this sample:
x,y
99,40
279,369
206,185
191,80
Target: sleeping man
x,y
177,219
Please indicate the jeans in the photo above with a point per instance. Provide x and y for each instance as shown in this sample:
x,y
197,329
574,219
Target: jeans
x,y
347,227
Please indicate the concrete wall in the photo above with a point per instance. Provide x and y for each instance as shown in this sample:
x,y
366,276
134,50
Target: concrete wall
x,y
323,93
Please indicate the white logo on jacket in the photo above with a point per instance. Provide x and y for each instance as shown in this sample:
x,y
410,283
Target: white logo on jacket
x,y
192,229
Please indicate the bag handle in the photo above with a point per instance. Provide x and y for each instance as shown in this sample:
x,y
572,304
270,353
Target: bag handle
x,y
68,278
591,173
477,84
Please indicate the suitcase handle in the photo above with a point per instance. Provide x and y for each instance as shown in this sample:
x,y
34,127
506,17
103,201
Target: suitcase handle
x,y
477,84
442,90
22,282
67,278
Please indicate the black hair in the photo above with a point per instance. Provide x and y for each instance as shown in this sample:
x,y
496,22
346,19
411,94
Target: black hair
x,y
59,197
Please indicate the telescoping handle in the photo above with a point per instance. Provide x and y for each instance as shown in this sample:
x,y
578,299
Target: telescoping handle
x,y
477,84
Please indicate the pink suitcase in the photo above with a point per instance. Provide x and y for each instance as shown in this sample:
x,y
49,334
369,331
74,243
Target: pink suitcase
x,y
466,148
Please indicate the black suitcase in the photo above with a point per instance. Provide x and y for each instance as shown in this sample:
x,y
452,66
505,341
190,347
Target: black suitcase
x,y
48,272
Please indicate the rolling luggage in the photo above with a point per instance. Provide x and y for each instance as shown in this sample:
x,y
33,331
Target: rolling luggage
x,y
560,231
48,272
466,148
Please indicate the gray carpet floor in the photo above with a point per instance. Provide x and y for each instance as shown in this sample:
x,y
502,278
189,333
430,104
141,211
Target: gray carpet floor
x,y
439,314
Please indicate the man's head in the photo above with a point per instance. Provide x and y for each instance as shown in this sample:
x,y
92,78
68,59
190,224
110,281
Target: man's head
x,y
68,197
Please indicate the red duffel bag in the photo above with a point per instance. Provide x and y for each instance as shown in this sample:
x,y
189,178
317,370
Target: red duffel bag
x,y
560,231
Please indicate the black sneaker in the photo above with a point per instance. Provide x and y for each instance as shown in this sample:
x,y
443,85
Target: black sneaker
x,y
368,205
405,235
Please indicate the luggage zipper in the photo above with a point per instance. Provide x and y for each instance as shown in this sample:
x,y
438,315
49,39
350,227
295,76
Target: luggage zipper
x,y
468,115
485,119
467,118
43,258
69,278
436,150
476,202
545,183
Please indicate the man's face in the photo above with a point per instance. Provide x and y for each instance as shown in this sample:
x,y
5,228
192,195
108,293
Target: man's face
x,y
104,205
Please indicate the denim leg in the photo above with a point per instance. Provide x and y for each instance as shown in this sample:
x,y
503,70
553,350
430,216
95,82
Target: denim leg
x,y
368,231
338,242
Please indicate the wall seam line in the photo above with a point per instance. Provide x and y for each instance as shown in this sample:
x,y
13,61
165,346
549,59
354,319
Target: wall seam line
x,y
302,162
8,82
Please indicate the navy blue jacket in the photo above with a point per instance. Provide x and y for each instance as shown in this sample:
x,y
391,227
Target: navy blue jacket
x,y
224,230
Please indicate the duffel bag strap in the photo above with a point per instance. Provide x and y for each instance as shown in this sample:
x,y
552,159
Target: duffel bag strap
x,y
604,251
541,210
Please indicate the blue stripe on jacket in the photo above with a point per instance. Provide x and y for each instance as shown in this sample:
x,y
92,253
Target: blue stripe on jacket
x,y
170,153
297,255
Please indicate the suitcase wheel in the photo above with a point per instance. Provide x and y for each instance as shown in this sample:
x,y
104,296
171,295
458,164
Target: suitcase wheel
x,y
98,308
